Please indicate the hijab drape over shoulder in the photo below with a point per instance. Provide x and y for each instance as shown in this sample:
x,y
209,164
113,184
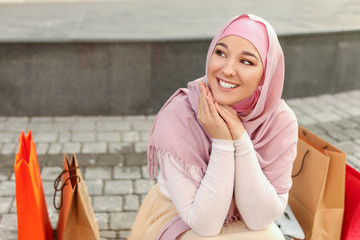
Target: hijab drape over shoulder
x,y
270,123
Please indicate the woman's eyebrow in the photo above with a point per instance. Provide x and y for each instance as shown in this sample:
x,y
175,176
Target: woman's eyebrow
x,y
250,54
222,44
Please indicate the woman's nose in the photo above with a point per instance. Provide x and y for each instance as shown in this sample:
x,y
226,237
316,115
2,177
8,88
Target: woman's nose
x,y
228,68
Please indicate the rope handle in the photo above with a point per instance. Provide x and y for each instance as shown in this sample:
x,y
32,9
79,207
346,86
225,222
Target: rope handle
x,y
57,189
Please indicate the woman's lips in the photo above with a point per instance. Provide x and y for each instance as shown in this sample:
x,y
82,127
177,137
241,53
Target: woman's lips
x,y
226,86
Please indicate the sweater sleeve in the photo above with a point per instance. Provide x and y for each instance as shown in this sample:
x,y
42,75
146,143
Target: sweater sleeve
x,y
257,201
203,206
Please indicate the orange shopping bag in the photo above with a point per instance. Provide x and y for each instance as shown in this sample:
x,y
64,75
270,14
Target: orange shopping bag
x,y
32,215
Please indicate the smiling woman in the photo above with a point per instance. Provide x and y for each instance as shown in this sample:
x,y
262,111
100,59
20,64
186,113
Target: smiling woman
x,y
225,144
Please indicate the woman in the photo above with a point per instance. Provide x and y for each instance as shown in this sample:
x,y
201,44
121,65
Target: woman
x,y
225,144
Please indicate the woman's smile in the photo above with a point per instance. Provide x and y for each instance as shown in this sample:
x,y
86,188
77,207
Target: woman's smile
x,y
226,85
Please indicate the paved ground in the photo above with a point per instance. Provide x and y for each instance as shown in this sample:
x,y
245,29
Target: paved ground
x,y
111,153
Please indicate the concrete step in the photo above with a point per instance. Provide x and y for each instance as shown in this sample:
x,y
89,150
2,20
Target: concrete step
x,y
128,57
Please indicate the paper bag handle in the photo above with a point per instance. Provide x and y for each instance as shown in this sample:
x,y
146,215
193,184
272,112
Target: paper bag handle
x,y
56,184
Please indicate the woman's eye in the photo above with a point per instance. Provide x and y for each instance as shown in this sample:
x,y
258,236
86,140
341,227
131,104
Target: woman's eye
x,y
246,62
220,53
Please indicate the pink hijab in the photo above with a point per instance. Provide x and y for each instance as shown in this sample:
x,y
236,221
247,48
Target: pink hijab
x,y
271,124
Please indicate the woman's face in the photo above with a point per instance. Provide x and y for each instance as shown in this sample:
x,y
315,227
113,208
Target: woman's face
x,y
234,71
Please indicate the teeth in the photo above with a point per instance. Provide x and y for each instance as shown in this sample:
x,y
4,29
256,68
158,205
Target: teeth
x,y
227,85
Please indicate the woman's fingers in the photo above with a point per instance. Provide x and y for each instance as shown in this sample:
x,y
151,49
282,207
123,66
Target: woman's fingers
x,y
231,118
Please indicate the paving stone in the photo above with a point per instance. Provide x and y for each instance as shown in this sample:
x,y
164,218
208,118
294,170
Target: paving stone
x,y
108,234
355,161
98,173
42,148
151,117
108,126
306,120
133,118
131,136
140,147
82,119
142,198
124,234
41,127
62,126
353,133
7,160
325,116
127,173
5,173
64,137
142,125
67,119
116,187
83,126
13,206
316,129
340,136
144,172
102,220
143,186
94,148
53,160
7,137
7,234
72,148
7,188
122,221
5,204
86,160
94,187
348,147
9,221
14,119
347,124
353,111
330,127
131,202
144,136
50,173
137,159
108,203
109,137
53,213
48,186
120,147
83,137
55,148
9,148
16,127
113,159
309,109
41,120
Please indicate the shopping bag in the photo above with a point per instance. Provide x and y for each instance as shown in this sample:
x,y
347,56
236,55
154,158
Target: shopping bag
x,y
317,194
351,223
32,215
76,217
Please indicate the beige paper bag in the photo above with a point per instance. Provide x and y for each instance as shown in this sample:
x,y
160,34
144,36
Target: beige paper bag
x,y
317,195
76,217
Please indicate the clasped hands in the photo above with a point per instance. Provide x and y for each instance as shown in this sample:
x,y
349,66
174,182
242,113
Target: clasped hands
x,y
220,121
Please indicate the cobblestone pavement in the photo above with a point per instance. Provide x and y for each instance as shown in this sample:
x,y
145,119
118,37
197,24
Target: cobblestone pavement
x,y
111,152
